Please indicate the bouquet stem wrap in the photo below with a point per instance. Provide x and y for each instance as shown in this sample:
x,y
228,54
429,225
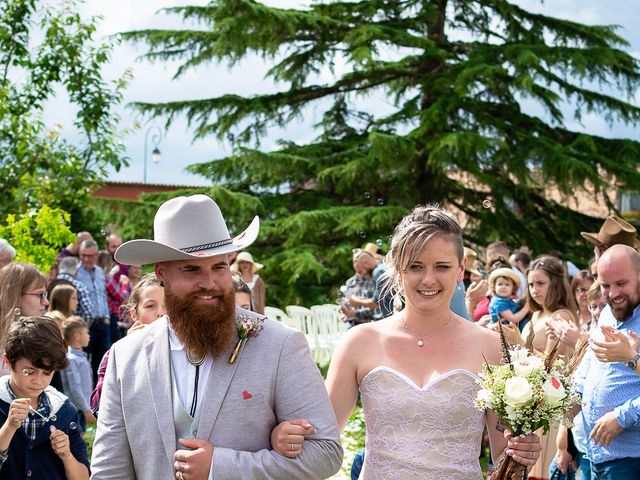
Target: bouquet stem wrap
x,y
508,469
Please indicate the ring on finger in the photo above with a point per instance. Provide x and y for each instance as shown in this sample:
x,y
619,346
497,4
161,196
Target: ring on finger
x,y
179,476
291,447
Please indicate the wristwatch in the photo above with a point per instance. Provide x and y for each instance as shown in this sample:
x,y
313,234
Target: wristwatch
x,y
633,363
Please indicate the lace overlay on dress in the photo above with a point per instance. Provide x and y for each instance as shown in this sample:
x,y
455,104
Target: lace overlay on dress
x,y
429,433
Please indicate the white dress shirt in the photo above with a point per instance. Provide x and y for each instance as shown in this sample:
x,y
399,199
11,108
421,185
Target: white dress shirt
x,y
184,373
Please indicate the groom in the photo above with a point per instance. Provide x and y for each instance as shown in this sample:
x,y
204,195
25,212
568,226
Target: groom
x,y
174,402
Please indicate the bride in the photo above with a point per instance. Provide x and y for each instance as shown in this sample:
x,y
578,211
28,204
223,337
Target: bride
x,y
417,369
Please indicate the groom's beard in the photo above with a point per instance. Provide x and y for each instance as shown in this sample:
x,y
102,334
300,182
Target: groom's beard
x,y
203,329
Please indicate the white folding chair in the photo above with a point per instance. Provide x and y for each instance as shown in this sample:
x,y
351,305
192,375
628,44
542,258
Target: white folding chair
x,y
330,325
332,311
309,326
279,316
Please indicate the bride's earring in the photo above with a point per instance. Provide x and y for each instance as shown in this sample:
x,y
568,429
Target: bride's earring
x,y
17,312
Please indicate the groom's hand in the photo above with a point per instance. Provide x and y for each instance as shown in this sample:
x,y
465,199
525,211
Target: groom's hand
x,y
195,463
524,450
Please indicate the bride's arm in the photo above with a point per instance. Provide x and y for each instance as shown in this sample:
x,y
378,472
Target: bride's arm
x,y
496,437
342,382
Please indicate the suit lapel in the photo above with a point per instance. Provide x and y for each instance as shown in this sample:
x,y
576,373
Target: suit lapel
x,y
158,361
220,378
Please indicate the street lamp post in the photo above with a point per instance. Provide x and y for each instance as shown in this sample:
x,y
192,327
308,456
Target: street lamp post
x,y
156,137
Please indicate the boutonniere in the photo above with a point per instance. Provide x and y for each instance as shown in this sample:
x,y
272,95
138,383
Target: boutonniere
x,y
247,327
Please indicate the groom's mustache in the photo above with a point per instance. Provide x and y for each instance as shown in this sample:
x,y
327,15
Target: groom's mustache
x,y
207,293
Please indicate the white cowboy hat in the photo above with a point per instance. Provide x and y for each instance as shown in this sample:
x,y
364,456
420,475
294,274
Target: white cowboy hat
x,y
186,228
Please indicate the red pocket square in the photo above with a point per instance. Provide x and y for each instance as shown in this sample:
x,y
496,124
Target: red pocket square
x,y
246,395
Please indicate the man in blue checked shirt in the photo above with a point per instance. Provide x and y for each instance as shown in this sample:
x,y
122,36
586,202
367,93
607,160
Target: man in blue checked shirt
x,y
93,278
611,391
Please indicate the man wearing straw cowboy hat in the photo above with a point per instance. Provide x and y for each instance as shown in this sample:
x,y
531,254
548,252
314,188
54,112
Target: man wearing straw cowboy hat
x,y
180,399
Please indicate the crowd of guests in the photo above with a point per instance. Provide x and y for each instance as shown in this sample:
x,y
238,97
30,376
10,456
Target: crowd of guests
x,y
422,321
90,301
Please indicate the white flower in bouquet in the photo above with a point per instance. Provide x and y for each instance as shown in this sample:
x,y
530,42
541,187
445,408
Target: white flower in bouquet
x,y
517,391
524,366
485,396
554,391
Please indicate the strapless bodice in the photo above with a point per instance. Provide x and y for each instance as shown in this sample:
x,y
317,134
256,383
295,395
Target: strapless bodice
x,y
433,432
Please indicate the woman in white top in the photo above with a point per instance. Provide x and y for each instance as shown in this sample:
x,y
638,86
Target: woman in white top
x,y
248,268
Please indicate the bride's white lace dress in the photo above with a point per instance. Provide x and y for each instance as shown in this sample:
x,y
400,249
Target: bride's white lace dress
x,y
432,432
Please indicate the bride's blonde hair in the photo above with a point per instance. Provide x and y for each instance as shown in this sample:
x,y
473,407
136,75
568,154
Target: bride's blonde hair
x,y
409,238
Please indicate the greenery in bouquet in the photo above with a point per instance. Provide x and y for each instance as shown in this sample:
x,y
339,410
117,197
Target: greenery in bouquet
x,y
527,393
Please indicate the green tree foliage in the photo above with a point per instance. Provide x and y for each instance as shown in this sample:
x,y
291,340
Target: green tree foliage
x,y
38,235
45,49
460,80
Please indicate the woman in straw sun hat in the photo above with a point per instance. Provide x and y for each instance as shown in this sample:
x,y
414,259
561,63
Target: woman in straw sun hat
x,y
247,267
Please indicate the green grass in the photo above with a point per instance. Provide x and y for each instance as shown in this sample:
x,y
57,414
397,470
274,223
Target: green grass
x,y
89,436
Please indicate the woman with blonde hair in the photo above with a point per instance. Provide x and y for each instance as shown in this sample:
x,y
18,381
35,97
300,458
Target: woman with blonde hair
x,y
23,293
416,370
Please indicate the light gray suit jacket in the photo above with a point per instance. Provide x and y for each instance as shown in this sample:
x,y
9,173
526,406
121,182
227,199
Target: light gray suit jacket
x,y
136,436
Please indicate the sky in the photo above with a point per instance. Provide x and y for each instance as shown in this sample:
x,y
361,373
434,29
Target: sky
x,y
153,82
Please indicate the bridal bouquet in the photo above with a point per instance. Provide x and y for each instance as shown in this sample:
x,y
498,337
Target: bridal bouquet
x,y
527,393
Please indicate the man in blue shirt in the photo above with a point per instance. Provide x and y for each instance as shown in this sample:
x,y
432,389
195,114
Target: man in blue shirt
x,y
92,277
611,391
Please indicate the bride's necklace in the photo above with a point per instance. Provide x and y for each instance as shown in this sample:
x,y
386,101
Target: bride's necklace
x,y
428,335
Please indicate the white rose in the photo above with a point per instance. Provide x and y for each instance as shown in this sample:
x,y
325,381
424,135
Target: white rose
x,y
517,391
485,396
554,391
526,365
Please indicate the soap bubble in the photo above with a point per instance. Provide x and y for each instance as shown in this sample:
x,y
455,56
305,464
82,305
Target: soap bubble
x,y
367,195
379,242
363,234
486,203
103,233
73,425
380,201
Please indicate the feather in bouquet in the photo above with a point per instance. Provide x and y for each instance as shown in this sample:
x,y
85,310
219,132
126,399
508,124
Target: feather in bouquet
x,y
527,393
